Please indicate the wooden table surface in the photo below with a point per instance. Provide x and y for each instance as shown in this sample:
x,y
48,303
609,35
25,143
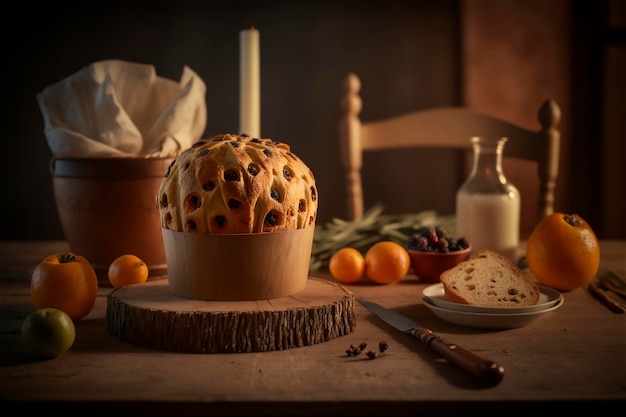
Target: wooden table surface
x,y
574,357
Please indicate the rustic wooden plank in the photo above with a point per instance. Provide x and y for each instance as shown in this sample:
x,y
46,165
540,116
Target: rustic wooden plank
x,y
571,358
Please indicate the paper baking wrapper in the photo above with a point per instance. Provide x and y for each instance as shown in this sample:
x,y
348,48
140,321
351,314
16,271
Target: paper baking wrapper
x,y
238,267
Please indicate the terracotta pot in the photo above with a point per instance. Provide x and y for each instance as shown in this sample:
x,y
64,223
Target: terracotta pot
x,y
238,267
107,208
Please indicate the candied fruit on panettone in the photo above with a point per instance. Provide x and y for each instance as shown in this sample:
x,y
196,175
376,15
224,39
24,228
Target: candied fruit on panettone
x,y
237,184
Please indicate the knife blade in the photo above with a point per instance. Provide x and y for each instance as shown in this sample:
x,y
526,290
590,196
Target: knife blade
x,y
485,371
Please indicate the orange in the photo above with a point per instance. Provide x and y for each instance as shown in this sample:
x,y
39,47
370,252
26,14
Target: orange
x,y
563,252
347,265
67,282
126,270
386,262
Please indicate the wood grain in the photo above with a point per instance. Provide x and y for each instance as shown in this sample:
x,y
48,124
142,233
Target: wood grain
x,y
572,358
150,315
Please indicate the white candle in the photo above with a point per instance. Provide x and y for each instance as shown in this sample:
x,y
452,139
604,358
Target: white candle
x,y
249,83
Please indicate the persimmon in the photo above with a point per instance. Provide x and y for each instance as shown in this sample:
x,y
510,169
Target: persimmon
x,y
67,282
563,252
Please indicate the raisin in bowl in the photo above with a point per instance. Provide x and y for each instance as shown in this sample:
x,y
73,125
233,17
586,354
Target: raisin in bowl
x,y
238,217
432,250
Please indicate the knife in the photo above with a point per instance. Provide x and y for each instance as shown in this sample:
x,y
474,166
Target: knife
x,y
487,372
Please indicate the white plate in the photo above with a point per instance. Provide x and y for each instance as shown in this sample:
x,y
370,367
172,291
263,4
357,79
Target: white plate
x,y
437,296
489,320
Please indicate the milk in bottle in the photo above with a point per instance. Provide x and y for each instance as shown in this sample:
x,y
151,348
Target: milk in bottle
x,y
487,205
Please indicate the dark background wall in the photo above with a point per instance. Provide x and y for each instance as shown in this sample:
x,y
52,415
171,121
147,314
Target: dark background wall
x,y
408,54
306,49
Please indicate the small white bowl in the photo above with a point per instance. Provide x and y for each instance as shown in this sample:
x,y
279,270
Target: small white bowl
x,y
490,321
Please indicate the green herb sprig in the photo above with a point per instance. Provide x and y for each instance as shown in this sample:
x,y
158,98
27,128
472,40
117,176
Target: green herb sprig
x,y
373,227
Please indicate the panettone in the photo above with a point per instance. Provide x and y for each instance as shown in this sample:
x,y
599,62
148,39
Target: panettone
x,y
230,184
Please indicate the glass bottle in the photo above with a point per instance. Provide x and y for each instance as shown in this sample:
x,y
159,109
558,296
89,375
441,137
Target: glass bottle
x,y
487,205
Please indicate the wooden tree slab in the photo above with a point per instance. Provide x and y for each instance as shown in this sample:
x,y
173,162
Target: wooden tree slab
x,y
149,315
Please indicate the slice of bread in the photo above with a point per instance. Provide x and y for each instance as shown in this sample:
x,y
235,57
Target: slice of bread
x,y
489,279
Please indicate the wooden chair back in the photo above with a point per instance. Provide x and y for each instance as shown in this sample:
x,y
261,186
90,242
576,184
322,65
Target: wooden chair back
x,y
446,127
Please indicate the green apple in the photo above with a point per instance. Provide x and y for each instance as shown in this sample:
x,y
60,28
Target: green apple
x,y
48,332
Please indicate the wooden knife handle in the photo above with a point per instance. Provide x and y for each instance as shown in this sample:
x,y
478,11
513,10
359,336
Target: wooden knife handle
x,y
487,372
